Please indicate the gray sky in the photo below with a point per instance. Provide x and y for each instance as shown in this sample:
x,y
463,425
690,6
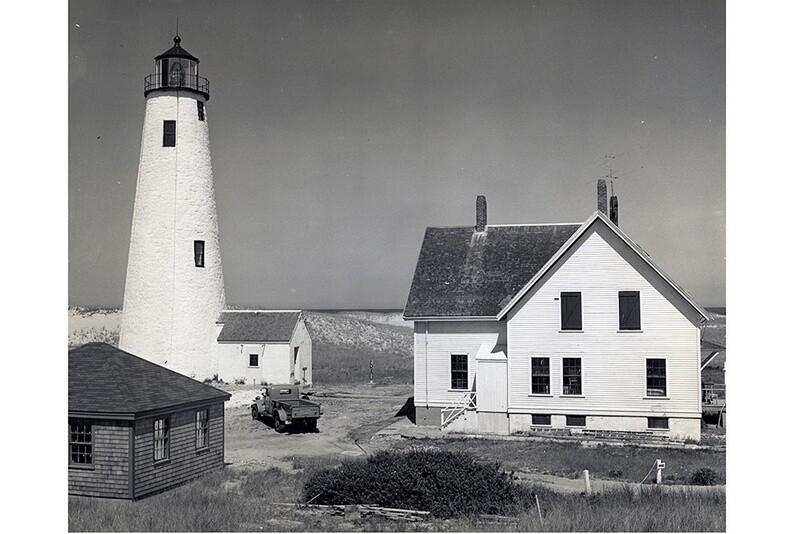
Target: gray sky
x,y
340,130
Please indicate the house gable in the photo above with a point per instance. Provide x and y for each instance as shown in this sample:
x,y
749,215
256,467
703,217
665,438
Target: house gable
x,y
600,225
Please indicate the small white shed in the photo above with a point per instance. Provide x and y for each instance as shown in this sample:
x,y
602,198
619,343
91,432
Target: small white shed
x,y
264,347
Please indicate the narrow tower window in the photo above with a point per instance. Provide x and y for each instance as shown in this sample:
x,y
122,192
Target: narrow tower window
x,y
199,253
169,133
201,111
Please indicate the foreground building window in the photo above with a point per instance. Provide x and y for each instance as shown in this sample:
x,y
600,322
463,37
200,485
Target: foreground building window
x,y
572,376
201,429
80,444
656,377
161,439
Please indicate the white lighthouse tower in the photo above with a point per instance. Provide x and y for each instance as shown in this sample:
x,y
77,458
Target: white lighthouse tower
x,y
174,289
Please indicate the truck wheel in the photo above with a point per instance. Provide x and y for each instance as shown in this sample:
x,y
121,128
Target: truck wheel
x,y
254,413
280,426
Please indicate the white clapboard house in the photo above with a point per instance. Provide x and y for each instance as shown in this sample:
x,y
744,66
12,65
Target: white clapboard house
x,y
565,328
264,347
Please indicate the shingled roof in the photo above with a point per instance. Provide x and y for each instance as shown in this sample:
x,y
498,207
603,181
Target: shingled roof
x,y
464,273
257,326
106,380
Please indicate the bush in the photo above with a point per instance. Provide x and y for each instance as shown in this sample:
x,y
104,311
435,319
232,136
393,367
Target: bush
x,y
445,483
705,476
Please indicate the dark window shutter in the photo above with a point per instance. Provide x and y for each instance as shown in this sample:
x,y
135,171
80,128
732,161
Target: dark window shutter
x,y
571,311
629,311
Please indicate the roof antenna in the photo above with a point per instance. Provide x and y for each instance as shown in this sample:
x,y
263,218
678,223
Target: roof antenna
x,y
176,26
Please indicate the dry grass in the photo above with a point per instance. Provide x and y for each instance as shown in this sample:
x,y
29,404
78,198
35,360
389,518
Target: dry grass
x,y
234,501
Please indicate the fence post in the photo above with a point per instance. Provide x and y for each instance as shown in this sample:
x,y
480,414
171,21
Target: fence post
x,y
586,483
659,466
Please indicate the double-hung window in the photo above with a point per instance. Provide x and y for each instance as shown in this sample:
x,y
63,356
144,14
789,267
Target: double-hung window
x,y
630,317
540,376
572,376
656,377
169,133
199,253
161,439
571,318
201,429
458,371
80,444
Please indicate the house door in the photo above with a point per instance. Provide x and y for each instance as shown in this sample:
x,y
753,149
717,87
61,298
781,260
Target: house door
x,y
294,363
491,383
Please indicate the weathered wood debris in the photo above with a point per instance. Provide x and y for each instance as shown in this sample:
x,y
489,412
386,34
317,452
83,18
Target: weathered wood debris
x,y
364,510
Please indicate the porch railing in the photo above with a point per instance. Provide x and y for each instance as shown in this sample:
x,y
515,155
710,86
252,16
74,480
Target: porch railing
x,y
452,412
713,394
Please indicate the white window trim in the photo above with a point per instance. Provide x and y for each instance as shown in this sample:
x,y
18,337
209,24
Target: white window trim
x,y
550,376
644,372
561,382
248,360
450,371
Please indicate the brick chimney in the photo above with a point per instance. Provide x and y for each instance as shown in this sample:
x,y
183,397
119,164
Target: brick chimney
x,y
602,197
480,213
614,211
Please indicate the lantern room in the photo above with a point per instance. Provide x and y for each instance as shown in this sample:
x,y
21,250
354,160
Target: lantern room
x,y
176,69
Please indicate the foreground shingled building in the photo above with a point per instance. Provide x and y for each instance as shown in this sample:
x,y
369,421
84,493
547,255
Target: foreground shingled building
x,y
552,327
136,428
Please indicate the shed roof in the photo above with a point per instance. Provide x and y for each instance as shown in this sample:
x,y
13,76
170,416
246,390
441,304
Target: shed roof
x,y
106,380
257,326
464,273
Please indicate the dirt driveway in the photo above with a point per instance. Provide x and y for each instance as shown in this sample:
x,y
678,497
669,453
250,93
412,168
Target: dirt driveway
x,y
350,414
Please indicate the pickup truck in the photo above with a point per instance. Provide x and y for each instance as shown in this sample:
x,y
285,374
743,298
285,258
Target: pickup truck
x,y
283,404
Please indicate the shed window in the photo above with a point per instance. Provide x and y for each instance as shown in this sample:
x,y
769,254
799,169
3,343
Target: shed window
x,y
541,419
572,376
629,311
199,253
201,429
80,444
254,360
571,318
201,111
658,423
656,377
169,133
458,371
540,376
161,439
576,420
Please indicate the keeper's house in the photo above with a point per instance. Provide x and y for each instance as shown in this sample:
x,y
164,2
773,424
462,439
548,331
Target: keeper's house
x,y
136,428
264,347
566,328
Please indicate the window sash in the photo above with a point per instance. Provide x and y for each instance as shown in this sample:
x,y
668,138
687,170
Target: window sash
x,y
201,429
199,253
201,111
572,376
459,371
540,419
540,376
80,444
576,420
629,311
660,423
656,377
169,133
571,316
161,439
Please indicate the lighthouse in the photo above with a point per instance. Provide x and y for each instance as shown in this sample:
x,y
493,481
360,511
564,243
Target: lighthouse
x,y
174,290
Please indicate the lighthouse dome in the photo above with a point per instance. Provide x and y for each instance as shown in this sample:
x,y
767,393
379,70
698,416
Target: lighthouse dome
x,y
176,69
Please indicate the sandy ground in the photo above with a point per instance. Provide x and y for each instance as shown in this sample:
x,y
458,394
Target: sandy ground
x,y
349,414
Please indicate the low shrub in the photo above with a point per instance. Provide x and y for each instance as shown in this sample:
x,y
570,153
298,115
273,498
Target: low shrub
x,y
445,483
705,476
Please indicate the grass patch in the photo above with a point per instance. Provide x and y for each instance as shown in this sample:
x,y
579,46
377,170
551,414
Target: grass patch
x,y
240,500
627,463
